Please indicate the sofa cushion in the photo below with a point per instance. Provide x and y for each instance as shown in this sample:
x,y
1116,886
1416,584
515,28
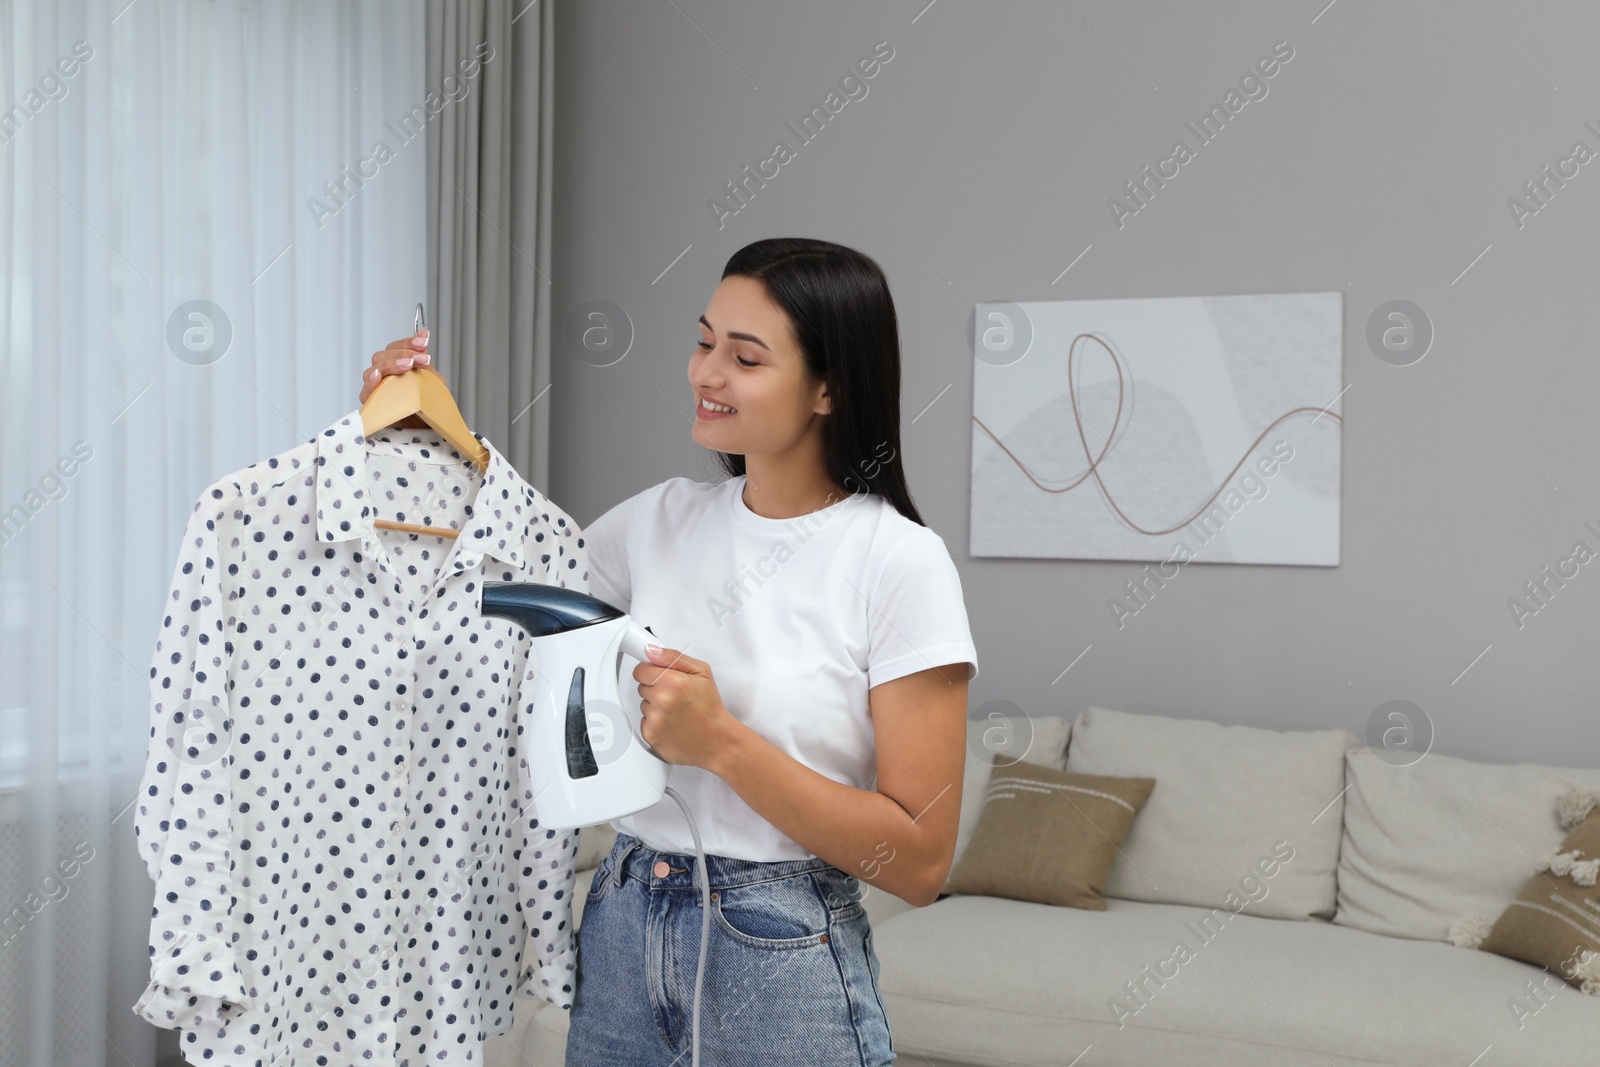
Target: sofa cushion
x,y
1555,921
985,980
580,894
1049,835
594,842
1227,796
1003,739
1434,841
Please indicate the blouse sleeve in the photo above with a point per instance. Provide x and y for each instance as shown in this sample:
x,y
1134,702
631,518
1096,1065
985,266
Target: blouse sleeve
x,y
184,807
916,617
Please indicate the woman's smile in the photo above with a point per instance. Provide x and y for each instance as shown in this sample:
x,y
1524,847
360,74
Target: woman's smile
x,y
709,409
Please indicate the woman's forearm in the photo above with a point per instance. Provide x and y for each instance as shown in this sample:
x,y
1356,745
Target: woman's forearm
x,y
860,831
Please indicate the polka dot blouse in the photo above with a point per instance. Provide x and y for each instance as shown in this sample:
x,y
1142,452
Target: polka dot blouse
x,y
336,809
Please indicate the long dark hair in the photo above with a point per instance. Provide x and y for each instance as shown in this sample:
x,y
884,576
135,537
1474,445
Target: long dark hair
x,y
839,304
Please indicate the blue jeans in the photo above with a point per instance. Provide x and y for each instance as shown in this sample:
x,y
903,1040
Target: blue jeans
x,y
791,977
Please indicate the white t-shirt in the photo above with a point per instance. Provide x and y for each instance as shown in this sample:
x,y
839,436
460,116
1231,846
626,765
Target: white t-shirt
x,y
797,618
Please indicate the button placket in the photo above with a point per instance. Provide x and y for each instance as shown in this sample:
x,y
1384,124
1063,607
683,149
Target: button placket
x,y
457,559
398,928
412,924
371,969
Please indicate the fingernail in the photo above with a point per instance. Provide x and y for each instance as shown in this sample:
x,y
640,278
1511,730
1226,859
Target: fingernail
x,y
654,650
373,374
403,361
422,358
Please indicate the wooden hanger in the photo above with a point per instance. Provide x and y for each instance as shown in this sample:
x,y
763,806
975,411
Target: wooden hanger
x,y
420,391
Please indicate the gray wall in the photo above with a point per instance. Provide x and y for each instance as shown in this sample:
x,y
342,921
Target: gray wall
x,y
1380,163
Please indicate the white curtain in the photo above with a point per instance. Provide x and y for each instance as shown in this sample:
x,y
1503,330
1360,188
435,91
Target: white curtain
x,y
212,213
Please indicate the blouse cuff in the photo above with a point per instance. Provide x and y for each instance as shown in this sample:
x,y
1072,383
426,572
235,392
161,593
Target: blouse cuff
x,y
551,981
175,1009
193,984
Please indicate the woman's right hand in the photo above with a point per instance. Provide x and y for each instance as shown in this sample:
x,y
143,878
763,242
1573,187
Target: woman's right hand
x,y
405,354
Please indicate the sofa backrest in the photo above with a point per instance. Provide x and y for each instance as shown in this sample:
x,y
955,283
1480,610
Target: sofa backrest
x,y
1431,842
1230,805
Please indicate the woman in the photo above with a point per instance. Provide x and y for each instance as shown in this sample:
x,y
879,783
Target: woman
x,y
818,636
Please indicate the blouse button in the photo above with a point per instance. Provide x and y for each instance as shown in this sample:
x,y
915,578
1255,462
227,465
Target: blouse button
x,y
662,868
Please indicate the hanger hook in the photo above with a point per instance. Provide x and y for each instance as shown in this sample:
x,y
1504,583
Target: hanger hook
x,y
421,319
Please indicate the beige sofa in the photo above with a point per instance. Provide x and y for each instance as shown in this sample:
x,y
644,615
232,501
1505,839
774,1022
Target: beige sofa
x,y
1340,957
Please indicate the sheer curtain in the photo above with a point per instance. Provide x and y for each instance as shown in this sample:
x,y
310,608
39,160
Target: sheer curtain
x,y
212,213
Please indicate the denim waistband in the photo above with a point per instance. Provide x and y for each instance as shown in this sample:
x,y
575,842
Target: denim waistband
x,y
635,859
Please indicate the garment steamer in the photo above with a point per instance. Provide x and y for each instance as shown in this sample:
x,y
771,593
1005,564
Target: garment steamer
x,y
580,641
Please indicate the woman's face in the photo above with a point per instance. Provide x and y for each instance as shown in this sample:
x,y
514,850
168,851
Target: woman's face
x,y
747,359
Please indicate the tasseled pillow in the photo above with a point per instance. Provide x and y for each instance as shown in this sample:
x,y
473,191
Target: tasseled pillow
x,y
1574,807
1584,972
1469,931
1536,928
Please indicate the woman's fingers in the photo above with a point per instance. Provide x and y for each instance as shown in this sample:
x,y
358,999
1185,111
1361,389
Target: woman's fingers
x,y
402,355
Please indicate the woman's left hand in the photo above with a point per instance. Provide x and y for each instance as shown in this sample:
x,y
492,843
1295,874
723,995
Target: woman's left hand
x,y
684,719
